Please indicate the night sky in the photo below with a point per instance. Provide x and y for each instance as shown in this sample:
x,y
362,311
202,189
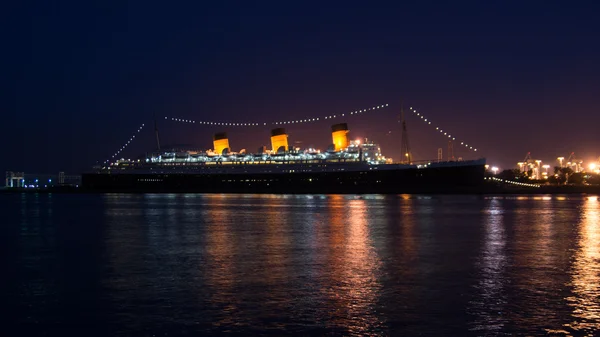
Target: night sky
x,y
79,77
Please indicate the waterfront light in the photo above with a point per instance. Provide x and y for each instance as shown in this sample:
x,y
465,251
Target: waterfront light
x,y
495,170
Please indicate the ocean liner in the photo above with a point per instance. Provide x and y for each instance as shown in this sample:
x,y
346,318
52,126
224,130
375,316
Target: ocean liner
x,y
345,167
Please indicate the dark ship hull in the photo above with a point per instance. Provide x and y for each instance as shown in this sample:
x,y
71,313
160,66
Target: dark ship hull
x,y
441,179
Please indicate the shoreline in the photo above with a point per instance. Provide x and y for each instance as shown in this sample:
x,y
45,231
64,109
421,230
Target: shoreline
x,y
482,190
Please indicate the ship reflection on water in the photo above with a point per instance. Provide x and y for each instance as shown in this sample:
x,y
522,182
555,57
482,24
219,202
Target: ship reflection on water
x,y
193,264
350,269
220,251
318,268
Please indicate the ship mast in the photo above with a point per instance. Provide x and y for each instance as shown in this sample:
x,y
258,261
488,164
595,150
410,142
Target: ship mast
x,y
156,132
404,145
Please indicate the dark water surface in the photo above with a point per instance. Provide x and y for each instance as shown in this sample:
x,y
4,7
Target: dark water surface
x,y
192,265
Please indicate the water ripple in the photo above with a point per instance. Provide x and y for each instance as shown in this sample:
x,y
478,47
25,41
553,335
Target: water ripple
x,y
193,264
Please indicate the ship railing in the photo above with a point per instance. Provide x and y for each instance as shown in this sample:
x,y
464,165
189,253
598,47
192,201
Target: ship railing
x,y
142,165
268,160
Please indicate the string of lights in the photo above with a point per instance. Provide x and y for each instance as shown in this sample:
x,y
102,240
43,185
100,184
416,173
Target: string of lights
x,y
441,131
125,144
512,182
295,121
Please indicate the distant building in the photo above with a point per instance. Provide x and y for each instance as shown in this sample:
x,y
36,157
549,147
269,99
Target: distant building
x,y
15,179
34,180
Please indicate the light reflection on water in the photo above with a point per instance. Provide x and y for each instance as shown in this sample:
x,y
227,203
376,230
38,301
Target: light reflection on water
x,y
219,264
490,304
535,273
354,287
585,273
192,264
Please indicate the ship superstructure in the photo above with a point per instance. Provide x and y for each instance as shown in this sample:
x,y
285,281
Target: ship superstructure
x,y
341,151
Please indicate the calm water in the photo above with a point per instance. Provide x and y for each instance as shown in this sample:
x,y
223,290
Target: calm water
x,y
170,265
